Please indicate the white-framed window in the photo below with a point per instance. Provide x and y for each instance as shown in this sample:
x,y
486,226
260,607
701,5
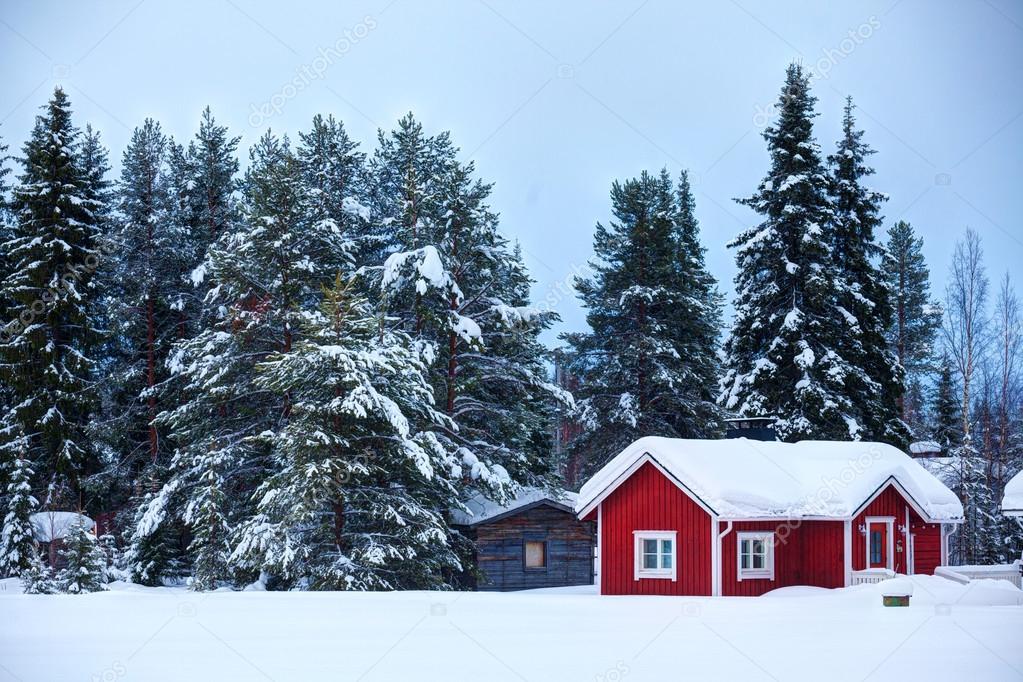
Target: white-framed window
x,y
756,556
656,554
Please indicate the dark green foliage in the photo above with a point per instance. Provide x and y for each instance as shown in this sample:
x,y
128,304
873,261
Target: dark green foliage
x,y
649,365
45,355
17,547
876,389
85,564
784,355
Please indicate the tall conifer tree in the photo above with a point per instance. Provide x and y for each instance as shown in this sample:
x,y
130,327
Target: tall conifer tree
x,y
647,366
876,389
783,356
45,358
916,318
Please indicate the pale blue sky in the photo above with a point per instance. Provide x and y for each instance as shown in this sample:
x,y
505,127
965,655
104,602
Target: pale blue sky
x,y
554,100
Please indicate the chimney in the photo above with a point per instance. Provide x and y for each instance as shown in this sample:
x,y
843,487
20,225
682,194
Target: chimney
x,y
754,428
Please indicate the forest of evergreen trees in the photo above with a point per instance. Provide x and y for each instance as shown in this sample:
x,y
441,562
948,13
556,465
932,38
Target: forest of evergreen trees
x,y
293,373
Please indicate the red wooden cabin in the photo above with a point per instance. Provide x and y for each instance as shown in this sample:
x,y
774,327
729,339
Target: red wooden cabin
x,y
737,517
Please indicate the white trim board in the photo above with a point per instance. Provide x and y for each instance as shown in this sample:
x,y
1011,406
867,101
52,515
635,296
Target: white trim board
x,y
639,573
889,521
633,468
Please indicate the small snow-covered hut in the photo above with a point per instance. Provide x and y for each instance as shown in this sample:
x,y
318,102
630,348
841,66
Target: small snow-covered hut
x,y
532,541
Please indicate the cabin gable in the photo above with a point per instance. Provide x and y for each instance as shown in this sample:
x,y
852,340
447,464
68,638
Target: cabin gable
x,y
908,542
566,545
649,501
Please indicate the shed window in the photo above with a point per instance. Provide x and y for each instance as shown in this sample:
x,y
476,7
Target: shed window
x,y
536,554
756,556
655,554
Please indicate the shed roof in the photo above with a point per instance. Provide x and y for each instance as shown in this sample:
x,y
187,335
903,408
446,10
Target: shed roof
x,y
48,526
1012,502
482,509
742,478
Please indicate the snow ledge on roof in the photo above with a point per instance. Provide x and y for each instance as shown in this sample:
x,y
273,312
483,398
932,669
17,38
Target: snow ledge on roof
x,y
1012,501
741,478
482,509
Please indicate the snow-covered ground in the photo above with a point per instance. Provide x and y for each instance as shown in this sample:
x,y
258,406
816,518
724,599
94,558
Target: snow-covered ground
x,y
950,632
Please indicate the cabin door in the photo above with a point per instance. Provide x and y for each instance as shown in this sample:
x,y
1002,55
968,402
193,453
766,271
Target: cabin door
x,y
877,545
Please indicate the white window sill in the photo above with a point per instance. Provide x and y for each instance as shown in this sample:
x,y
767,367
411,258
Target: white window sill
x,y
659,576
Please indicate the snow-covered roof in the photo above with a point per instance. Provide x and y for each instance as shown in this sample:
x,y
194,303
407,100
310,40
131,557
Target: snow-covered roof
x,y
481,509
1012,502
922,447
53,525
747,479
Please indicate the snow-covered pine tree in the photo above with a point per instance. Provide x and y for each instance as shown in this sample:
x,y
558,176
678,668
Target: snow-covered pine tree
x,y
146,300
916,318
782,357
452,281
200,184
261,278
8,313
358,494
85,564
876,389
640,373
152,550
986,525
149,272
38,578
699,320
334,191
945,413
45,360
17,547
213,162
489,376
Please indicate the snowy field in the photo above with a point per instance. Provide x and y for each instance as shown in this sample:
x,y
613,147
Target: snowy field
x,y
950,632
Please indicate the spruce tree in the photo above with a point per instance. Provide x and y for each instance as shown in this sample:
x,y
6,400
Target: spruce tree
x,y
783,357
262,279
357,497
946,412
6,234
147,274
334,192
876,389
452,281
17,546
84,568
44,357
916,318
649,361
213,162
38,578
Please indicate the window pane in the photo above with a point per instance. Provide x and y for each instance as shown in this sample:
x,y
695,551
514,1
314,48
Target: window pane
x,y
758,546
665,546
650,546
758,561
665,561
649,561
536,554
745,560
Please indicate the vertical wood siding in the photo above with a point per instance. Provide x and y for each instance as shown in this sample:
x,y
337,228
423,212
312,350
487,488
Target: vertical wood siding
x,y
805,553
500,545
926,536
649,501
